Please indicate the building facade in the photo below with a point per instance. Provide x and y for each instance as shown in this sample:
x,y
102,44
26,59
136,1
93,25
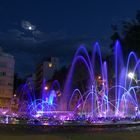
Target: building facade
x,y
7,63
45,71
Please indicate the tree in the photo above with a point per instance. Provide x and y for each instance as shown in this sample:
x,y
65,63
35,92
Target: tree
x,y
129,36
60,75
115,36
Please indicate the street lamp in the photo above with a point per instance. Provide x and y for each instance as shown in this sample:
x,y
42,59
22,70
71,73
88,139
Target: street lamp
x,y
15,95
131,75
99,77
46,87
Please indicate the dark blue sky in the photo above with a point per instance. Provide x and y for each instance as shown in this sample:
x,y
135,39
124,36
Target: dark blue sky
x,y
59,26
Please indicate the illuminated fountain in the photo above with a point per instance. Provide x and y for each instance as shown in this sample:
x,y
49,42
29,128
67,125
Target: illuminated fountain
x,y
93,88
118,99
32,106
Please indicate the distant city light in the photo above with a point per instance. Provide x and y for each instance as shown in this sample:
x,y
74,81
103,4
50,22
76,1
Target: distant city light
x,y
131,75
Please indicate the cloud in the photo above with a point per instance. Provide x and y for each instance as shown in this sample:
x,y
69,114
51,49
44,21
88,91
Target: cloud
x,y
50,36
39,35
33,36
12,34
27,25
28,54
15,33
28,40
29,48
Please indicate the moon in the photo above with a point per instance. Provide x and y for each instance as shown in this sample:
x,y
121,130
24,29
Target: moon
x,y
30,27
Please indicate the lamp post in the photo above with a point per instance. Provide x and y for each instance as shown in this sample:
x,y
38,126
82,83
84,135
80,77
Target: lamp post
x,y
131,75
46,88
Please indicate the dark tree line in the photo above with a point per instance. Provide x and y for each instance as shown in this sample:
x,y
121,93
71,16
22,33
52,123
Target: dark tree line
x,y
129,35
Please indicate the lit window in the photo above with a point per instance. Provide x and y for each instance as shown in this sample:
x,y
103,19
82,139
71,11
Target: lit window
x,y
50,65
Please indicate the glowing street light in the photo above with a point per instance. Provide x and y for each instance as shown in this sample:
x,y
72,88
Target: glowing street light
x,y
131,75
15,95
99,77
46,88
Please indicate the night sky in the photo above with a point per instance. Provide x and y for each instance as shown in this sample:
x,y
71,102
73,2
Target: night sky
x,y
33,29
